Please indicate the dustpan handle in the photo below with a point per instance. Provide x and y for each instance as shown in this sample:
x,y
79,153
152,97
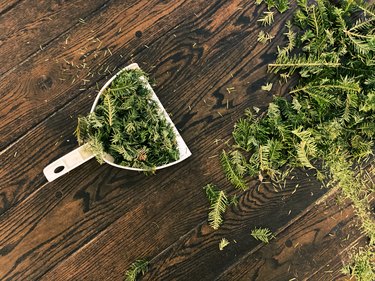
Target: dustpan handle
x,y
67,163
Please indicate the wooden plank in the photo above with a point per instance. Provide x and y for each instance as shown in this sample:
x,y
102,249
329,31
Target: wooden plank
x,y
312,248
49,80
194,254
27,28
206,97
7,5
331,267
93,197
16,186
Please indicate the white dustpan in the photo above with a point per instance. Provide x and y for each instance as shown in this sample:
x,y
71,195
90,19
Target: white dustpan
x,y
80,155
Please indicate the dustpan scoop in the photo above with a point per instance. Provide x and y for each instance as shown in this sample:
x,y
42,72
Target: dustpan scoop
x,y
82,154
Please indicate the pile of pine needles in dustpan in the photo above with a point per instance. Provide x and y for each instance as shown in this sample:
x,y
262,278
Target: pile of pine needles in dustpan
x,y
128,125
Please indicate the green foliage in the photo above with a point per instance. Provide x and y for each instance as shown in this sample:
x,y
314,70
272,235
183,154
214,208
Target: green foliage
x,y
307,66
262,234
267,19
234,167
264,37
328,119
291,36
128,125
362,266
267,87
218,204
280,5
136,269
223,243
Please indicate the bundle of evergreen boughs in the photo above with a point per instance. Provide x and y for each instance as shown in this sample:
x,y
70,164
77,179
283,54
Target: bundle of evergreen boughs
x,y
128,125
327,122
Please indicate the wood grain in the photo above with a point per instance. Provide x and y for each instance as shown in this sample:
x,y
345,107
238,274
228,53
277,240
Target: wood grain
x,y
6,6
93,223
88,212
314,247
206,100
26,28
198,251
52,78
17,186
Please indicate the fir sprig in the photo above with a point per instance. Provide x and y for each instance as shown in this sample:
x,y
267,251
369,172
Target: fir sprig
x,y
223,243
280,5
262,234
264,37
136,269
267,19
218,204
235,168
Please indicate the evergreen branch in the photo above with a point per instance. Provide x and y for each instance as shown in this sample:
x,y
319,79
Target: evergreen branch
x,y
291,41
302,155
218,204
81,129
263,153
219,207
280,5
109,108
368,11
362,24
136,269
267,87
302,63
360,42
345,84
264,37
96,147
234,169
267,19
262,234
290,64
354,34
223,243
314,21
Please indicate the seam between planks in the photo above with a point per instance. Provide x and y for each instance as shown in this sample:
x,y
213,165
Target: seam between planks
x,y
339,254
256,248
45,45
10,7
98,236
282,229
362,235
68,103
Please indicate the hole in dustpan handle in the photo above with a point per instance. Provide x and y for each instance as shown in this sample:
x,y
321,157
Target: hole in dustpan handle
x,y
67,163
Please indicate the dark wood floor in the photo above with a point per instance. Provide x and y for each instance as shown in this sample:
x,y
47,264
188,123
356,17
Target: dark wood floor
x,y
94,222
